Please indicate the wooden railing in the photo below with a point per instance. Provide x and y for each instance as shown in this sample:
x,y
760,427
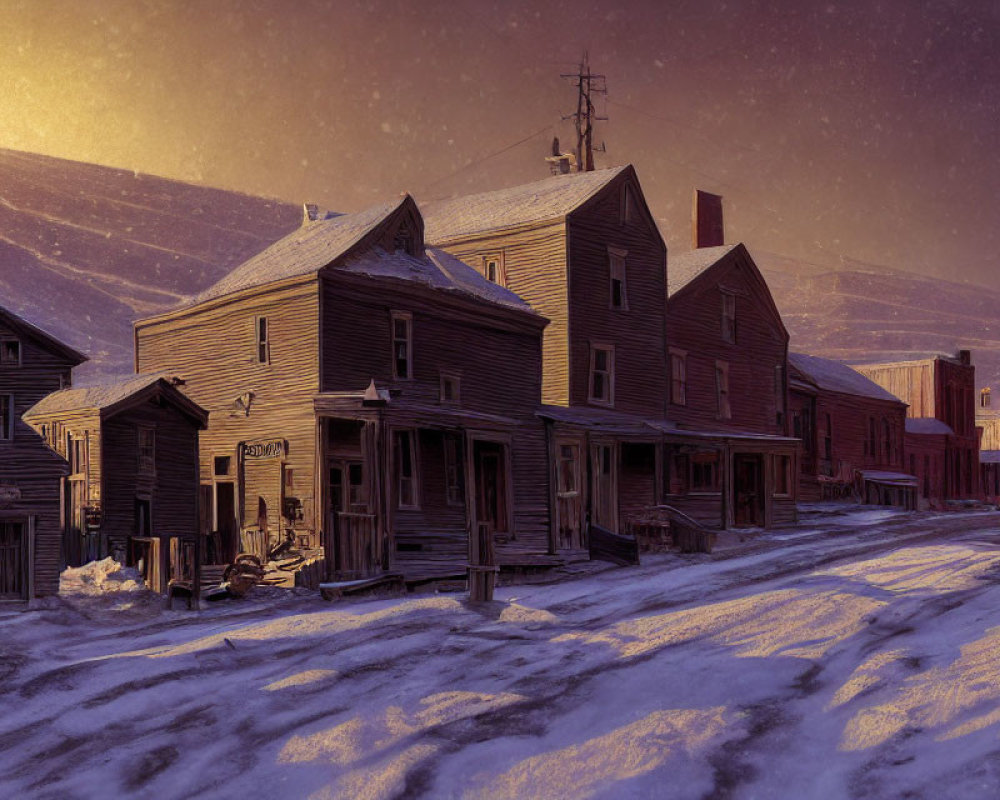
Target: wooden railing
x,y
606,545
684,532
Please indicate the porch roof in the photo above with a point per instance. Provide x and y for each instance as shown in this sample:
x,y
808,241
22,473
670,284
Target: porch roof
x,y
888,478
429,414
606,420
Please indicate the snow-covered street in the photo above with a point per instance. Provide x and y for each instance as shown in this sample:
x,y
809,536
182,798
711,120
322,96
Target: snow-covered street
x,y
854,656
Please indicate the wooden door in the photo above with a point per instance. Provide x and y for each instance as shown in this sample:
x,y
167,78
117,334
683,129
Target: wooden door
x,y
603,486
352,527
13,561
490,496
569,498
748,486
225,521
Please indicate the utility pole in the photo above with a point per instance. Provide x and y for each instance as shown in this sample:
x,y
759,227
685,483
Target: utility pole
x,y
587,84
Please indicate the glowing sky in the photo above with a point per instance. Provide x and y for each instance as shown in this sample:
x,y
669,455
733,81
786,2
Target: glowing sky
x,y
866,130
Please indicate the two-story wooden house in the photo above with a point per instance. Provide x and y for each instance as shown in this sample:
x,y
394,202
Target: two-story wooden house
x,y
728,352
132,448
852,433
942,440
584,251
32,364
367,394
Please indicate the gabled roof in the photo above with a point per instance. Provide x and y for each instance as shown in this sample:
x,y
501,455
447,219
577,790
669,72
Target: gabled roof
x,y
928,426
438,270
542,201
684,268
305,250
46,340
832,376
113,397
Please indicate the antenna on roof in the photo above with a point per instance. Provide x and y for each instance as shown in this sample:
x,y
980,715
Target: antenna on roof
x,y
587,83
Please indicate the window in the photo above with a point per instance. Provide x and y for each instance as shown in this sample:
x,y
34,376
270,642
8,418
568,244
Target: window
x,y
984,398
403,240
76,454
402,344
263,341
616,265
872,440
221,466
569,457
704,472
356,500
10,353
886,440
678,377
627,205
680,468
602,375
147,451
782,479
454,494
6,417
494,269
404,455
728,317
779,393
450,389
722,389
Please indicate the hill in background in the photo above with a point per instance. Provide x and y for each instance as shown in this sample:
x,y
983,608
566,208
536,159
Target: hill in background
x,y
85,250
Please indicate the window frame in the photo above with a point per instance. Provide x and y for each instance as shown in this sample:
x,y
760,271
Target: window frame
x,y
677,356
8,340
414,477
407,318
456,380
728,316
609,372
782,465
262,344
145,464
499,260
618,272
454,485
7,417
724,409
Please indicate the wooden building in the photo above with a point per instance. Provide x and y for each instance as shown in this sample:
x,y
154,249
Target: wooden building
x,y
989,461
132,448
366,394
852,433
32,364
943,389
584,251
728,351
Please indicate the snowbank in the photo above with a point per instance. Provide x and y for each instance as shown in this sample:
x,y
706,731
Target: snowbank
x,y
100,578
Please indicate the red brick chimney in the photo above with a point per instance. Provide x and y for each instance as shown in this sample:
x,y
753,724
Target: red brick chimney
x,y
706,224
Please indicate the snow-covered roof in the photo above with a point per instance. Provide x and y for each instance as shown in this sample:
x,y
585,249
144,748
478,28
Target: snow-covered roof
x,y
438,270
305,250
544,200
927,425
886,477
606,420
834,376
685,267
105,396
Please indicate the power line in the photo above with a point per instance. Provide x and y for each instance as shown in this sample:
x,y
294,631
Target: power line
x,y
479,161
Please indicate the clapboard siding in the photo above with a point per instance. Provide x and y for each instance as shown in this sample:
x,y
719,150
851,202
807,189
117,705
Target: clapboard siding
x,y
27,463
172,489
636,332
534,262
213,349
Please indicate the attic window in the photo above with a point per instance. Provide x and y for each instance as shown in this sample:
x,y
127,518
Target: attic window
x,y
10,353
493,269
984,398
402,344
403,240
450,389
263,341
626,209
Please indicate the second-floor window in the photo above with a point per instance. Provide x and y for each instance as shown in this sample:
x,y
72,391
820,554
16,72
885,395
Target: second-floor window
x,y
450,389
402,345
722,390
147,450
678,377
6,417
602,375
10,352
728,317
618,287
263,341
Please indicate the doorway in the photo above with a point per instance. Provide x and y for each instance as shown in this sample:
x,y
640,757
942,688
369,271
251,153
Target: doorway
x,y
604,480
13,561
351,526
748,487
225,521
569,498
